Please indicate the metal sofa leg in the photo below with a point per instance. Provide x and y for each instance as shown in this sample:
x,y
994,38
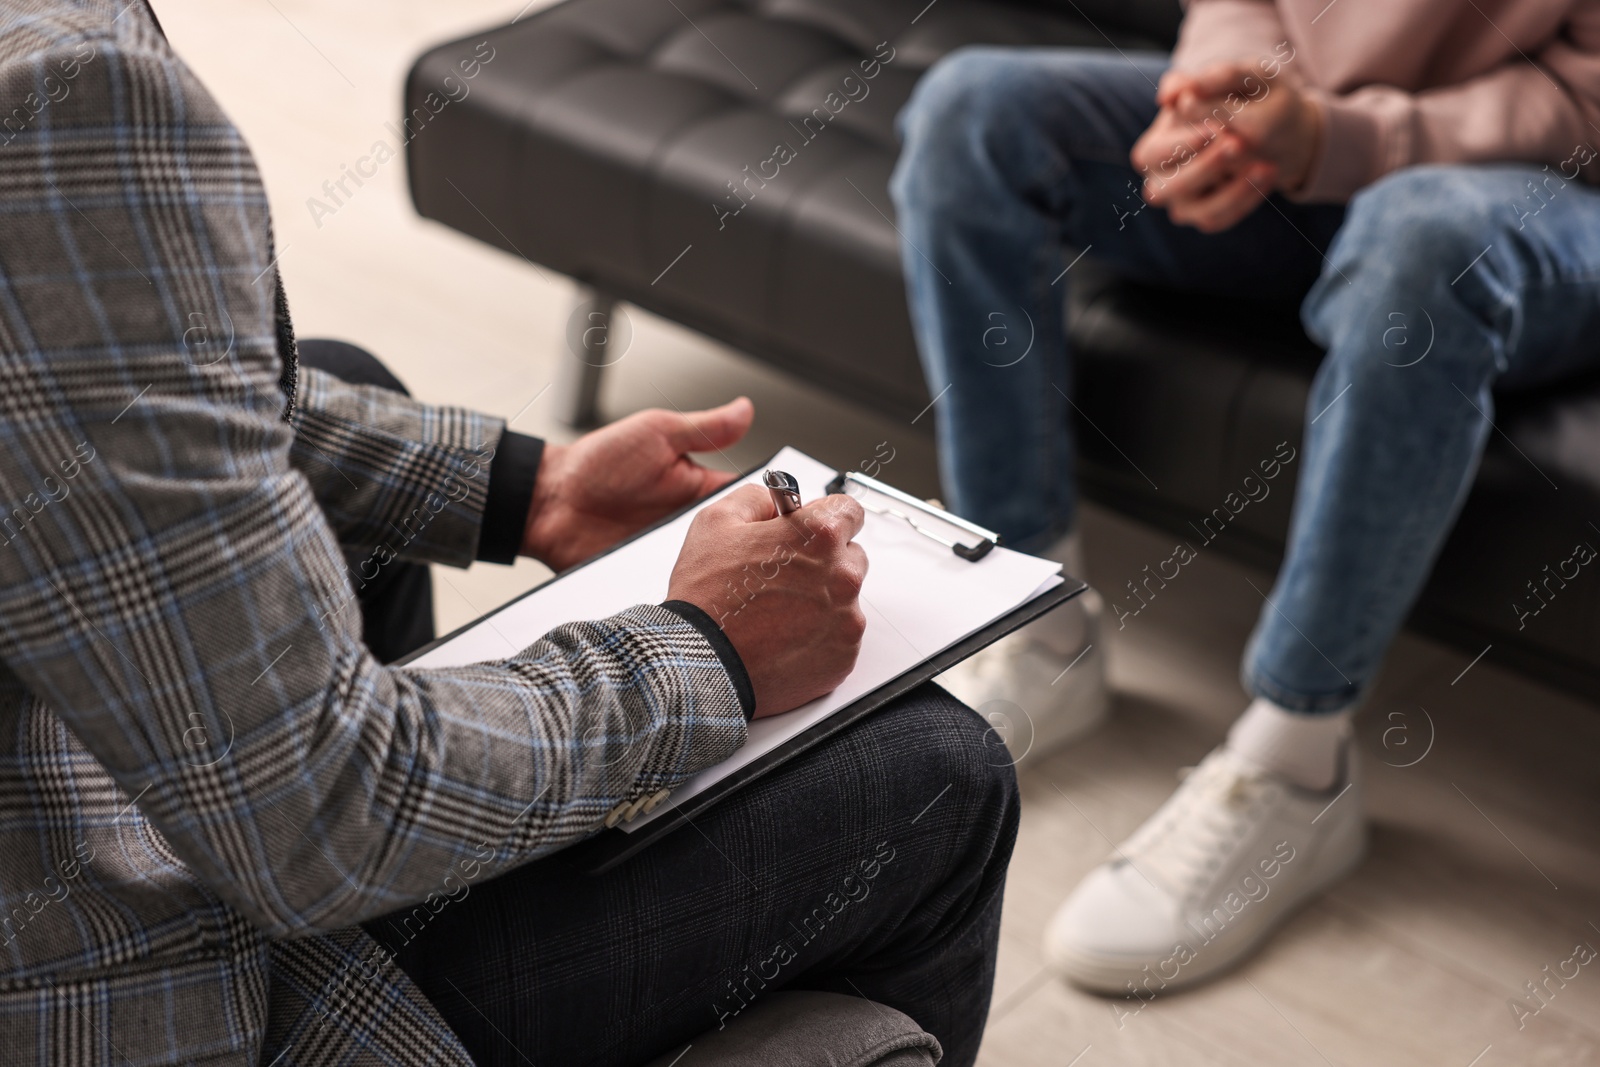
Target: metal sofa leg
x,y
589,348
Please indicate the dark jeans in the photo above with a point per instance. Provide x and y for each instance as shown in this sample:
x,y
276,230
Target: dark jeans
x,y
871,866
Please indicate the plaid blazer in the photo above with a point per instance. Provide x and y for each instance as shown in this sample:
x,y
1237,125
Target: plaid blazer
x,y
206,780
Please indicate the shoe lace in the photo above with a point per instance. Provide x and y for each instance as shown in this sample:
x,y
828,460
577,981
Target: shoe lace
x,y
1182,848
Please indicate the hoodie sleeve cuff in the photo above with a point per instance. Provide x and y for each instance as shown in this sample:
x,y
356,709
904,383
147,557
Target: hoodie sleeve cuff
x,y
1350,156
512,472
724,649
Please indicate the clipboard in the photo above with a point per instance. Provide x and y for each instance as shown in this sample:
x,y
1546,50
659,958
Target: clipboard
x,y
611,847
971,543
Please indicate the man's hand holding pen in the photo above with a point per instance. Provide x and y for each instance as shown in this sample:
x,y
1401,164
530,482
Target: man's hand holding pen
x,y
783,587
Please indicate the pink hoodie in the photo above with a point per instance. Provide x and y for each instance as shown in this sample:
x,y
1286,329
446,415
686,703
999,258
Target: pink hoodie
x,y
1422,81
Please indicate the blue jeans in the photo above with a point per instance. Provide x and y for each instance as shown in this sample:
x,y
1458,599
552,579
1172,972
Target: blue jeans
x,y
1011,155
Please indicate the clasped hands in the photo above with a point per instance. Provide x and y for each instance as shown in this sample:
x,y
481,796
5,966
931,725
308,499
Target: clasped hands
x,y
1226,137
784,589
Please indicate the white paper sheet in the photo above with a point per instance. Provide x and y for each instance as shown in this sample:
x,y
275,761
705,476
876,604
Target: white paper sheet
x,y
919,599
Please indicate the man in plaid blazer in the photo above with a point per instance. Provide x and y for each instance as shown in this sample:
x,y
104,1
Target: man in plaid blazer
x,y
208,780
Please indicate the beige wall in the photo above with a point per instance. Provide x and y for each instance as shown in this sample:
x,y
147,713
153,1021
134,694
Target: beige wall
x,y
312,84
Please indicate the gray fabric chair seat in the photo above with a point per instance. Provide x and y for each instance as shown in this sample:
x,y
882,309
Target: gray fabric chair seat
x,y
805,1029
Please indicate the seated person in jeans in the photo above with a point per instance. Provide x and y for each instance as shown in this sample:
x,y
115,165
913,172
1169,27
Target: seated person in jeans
x,y
1422,166
218,800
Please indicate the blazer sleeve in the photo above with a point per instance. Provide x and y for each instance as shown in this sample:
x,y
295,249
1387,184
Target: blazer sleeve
x,y
401,479
167,562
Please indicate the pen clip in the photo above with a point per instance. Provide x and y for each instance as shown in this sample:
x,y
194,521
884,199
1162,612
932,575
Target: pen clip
x,y
785,490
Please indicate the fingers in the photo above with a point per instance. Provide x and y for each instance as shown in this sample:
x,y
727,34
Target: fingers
x,y
1230,202
853,568
1195,179
1170,144
852,576
1172,84
706,431
1220,79
748,503
838,517
833,521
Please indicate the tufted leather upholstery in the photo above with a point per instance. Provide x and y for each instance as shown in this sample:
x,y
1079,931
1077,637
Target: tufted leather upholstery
x,y
601,141
633,121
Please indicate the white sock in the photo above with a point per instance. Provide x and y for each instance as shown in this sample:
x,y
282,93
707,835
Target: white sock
x,y
1302,748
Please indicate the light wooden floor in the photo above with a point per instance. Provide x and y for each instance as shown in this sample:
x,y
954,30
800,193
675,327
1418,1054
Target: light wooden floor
x,y
1484,865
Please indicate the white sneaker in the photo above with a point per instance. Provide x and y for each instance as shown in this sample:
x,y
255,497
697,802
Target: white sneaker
x,y
1042,686
1203,882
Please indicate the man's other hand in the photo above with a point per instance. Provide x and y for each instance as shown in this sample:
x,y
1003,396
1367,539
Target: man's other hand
x,y
1225,138
784,589
620,478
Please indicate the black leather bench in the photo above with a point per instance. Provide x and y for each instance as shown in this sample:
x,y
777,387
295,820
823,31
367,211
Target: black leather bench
x,y
635,146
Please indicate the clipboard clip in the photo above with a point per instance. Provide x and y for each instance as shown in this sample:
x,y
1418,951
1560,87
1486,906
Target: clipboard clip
x,y
902,506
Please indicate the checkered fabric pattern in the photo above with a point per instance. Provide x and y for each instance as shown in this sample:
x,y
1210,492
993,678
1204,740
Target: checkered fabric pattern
x,y
206,781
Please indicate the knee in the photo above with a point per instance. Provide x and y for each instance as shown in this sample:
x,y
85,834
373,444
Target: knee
x,y
960,108
1414,231
963,86
957,774
349,363
1418,249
